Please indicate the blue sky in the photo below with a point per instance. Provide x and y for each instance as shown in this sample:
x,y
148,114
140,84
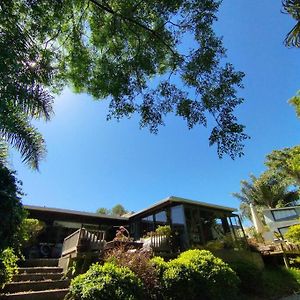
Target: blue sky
x,y
93,163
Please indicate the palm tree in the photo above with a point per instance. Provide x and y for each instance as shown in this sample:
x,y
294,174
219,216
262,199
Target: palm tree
x,y
267,191
292,7
24,73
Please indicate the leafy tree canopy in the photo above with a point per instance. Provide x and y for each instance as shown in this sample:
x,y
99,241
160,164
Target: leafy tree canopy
x,y
146,57
103,211
286,162
295,101
11,209
118,210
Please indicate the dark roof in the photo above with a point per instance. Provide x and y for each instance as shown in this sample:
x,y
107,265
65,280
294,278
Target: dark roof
x,y
75,213
177,200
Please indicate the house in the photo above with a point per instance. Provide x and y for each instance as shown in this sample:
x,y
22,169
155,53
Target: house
x,y
59,223
280,219
195,223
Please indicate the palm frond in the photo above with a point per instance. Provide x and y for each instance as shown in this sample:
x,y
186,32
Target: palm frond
x,y
17,131
3,152
292,7
293,37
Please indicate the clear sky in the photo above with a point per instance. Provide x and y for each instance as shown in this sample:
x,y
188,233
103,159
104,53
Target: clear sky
x,y
93,163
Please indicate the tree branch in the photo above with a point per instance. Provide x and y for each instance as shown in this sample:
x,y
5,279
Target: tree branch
x,y
153,32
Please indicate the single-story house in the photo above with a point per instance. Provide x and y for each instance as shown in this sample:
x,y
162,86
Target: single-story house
x,y
195,223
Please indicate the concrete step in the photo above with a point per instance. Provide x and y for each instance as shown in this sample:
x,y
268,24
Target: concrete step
x,y
37,277
31,270
56,294
39,262
23,286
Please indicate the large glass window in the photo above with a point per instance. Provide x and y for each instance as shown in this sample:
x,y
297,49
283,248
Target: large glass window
x,y
177,215
284,214
161,218
283,230
147,224
180,239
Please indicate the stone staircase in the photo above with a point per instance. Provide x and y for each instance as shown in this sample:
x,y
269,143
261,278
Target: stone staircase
x,y
38,279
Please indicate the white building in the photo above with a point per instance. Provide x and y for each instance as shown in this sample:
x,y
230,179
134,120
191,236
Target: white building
x,y
280,219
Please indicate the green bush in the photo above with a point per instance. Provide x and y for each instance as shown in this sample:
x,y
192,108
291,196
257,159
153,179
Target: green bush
x,y
8,266
250,276
280,282
164,230
197,274
293,234
29,230
139,263
107,282
159,264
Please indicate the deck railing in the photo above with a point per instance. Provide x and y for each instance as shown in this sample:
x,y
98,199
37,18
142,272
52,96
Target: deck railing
x,y
83,240
159,242
71,242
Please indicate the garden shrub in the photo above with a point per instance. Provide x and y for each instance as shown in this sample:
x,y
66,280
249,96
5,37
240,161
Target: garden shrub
x,y
250,276
159,264
8,266
138,261
29,230
280,282
293,234
164,230
106,282
197,274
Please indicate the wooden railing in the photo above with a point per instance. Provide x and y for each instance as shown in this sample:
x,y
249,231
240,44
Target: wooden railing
x,y
160,243
291,248
71,242
82,240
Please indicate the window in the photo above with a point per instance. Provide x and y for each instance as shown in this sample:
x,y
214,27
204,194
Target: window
x,y
147,224
284,214
283,230
161,218
177,215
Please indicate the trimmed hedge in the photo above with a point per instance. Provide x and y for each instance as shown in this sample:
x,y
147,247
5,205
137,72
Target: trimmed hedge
x,y
197,274
106,282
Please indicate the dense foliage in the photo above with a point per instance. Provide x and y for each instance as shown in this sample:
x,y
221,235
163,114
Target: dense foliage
x,y
29,230
133,53
280,282
8,266
106,282
286,162
12,213
25,72
138,262
295,101
250,276
197,274
293,234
